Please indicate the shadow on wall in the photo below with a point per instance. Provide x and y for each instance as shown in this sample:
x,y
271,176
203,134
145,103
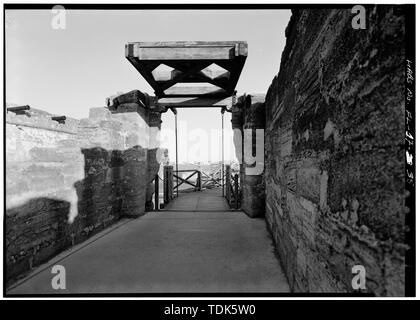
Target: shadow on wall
x,y
335,152
33,233
114,185
67,181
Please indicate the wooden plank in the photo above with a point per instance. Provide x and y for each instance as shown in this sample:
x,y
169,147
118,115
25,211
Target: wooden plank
x,y
195,78
185,180
164,75
145,72
194,91
191,53
211,179
161,76
228,193
167,184
191,72
187,49
241,49
188,43
157,193
195,102
183,74
189,58
236,191
235,69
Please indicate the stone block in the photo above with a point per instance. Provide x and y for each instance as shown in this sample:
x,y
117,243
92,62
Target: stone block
x,y
65,183
99,113
334,136
285,143
308,179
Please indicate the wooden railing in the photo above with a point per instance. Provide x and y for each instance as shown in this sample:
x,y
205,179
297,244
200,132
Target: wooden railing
x,y
198,180
211,180
195,184
174,182
232,188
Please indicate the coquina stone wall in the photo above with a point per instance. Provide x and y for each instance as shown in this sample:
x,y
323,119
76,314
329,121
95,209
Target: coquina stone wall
x,y
65,182
248,122
334,144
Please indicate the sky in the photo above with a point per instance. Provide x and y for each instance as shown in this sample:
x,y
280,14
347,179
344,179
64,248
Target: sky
x,y
68,71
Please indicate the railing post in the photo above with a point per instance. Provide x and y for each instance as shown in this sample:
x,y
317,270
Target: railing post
x,y
165,185
222,179
227,188
236,191
157,193
168,183
199,180
171,183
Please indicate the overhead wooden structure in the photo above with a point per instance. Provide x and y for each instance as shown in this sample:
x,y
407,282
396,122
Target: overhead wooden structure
x,y
177,70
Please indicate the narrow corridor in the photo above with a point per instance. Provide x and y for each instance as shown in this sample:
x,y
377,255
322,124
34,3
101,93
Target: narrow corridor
x,y
174,251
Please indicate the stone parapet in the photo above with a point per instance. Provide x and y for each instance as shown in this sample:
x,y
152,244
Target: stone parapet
x,y
65,182
334,152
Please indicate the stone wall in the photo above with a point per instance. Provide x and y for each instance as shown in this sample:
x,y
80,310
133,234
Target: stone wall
x,y
248,116
65,182
335,151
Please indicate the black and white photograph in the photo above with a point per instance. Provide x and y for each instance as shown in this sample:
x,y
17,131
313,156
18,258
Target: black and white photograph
x,y
209,150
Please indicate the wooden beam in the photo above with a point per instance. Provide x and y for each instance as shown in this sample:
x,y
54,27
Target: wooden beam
x,y
235,71
216,74
162,76
191,53
188,43
195,102
185,180
144,70
189,58
191,72
177,76
194,91
221,82
187,50
183,74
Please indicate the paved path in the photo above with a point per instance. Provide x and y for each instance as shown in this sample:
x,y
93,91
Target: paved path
x,y
207,200
191,251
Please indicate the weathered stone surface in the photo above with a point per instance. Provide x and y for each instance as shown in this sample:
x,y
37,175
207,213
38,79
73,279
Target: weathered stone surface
x,y
134,96
66,182
248,115
334,151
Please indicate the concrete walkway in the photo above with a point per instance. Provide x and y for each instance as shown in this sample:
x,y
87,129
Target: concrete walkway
x,y
191,251
207,200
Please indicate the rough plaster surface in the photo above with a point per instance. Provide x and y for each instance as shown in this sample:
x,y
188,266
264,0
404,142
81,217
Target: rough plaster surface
x,y
66,182
248,116
334,151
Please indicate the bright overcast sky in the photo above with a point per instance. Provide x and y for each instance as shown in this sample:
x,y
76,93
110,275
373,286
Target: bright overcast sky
x,y
66,72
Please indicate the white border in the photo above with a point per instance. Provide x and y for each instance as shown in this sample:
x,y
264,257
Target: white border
x,y
229,2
